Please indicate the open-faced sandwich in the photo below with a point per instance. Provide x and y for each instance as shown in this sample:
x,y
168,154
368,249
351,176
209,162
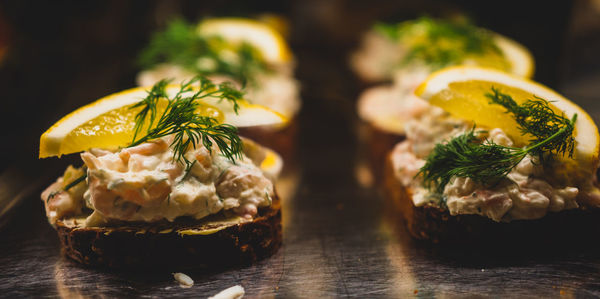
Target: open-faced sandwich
x,y
502,156
249,53
405,54
166,180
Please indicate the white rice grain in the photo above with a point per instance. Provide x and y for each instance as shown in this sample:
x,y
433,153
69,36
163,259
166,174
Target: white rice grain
x,y
235,292
184,280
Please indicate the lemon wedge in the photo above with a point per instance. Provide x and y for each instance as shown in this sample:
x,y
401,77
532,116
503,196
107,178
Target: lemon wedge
x,y
268,41
109,122
461,92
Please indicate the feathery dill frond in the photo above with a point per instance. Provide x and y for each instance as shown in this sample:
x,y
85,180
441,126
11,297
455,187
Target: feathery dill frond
x,y
439,43
180,118
487,162
181,44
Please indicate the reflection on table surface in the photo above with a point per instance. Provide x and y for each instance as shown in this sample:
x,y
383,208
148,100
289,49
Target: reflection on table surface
x,y
339,239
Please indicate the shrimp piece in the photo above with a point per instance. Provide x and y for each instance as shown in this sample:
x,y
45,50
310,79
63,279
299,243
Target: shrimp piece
x,y
110,204
59,203
146,149
248,186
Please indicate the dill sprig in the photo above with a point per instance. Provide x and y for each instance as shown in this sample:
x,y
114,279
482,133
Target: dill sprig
x,y
181,44
439,43
180,119
74,183
149,103
487,162
223,91
536,118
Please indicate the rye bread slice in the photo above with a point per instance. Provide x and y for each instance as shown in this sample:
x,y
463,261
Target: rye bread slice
x,y
434,224
214,243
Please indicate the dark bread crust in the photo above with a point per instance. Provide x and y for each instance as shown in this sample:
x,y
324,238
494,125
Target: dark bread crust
x,y
436,225
162,246
281,140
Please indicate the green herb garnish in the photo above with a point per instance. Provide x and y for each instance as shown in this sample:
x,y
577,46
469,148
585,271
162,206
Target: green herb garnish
x,y
74,183
181,44
536,118
487,162
181,120
439,43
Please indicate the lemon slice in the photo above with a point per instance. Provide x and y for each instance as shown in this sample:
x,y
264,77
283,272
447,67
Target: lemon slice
x,y
268,41
461,92
109,122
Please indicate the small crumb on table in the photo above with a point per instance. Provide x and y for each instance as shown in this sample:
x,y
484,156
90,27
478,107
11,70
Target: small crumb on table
x,y
235,292
184,280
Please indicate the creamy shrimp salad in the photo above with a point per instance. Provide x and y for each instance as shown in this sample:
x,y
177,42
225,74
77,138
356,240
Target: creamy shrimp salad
x,y
526,192
144,183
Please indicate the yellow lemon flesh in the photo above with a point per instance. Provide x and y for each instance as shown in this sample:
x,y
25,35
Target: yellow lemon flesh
x,y
265,39
109,122
461,91
468,100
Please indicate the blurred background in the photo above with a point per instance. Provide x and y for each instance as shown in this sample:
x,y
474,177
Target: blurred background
x,y
59,55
